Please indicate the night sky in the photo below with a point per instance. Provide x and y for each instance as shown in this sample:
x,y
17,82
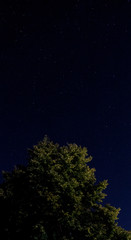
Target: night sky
x,y
65,71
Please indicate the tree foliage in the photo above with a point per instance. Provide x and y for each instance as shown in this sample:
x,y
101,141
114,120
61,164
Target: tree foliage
x,y
56,197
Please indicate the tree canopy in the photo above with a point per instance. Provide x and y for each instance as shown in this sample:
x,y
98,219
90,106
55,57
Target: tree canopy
x,y
56,197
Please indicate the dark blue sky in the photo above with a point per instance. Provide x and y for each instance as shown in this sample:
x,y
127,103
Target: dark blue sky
x,y
65,72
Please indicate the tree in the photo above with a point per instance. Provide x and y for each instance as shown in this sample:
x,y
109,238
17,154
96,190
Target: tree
x,y
56,197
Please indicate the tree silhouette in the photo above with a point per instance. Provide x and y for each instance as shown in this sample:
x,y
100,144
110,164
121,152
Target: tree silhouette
x,y
56,197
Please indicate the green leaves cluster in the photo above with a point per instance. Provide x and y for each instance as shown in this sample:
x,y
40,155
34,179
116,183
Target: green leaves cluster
x,y
56,197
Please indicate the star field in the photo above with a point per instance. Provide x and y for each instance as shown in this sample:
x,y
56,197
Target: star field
x,y
65,72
